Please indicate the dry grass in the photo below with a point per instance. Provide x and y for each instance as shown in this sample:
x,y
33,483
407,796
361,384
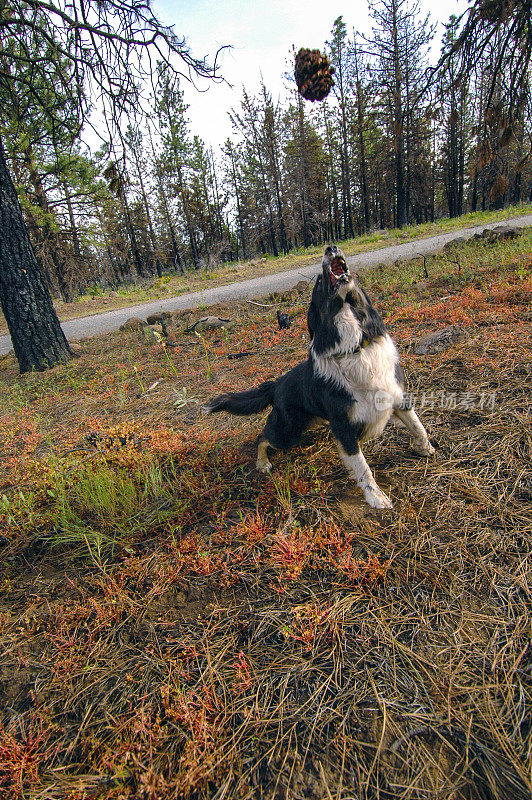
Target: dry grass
x,y
175,625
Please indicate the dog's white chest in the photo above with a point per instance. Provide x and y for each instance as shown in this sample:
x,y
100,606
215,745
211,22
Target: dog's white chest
x,y
369,377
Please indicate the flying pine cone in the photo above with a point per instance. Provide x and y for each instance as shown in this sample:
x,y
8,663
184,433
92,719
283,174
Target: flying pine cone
x,y
313,74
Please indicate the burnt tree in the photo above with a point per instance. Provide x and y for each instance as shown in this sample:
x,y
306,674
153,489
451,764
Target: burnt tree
x,y
91,48
37,337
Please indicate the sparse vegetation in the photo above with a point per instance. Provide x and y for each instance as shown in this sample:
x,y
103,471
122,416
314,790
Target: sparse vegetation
x,y
176,625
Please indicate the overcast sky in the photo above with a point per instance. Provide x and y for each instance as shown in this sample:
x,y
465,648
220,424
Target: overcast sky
x,y
261,33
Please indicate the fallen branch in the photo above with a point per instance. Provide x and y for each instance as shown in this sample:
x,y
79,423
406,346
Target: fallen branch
x,y
262,305
423,256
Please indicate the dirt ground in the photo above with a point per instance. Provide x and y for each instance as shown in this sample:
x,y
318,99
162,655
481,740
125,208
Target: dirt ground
x,y
175,625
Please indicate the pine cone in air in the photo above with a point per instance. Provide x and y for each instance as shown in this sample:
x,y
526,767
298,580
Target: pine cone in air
x,y
313,74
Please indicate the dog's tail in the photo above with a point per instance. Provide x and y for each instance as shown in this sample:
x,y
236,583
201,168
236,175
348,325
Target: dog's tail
x,y
243,403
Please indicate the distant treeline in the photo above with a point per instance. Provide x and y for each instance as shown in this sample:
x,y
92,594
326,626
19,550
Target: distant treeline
x,y
392,145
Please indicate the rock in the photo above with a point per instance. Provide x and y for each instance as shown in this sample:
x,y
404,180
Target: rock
x,y
76,348
499,233
152,334
153,319
283,297
438,341
133,324
454,243
289,296
301,286
209,323
503,232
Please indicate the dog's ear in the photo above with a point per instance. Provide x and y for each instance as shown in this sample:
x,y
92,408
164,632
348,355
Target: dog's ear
x,y
313,320
313,314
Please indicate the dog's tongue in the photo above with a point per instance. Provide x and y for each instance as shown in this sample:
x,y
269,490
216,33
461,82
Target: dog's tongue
x,y
338,266
337,269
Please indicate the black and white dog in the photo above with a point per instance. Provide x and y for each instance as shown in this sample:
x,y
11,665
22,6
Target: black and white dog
x,y
352,378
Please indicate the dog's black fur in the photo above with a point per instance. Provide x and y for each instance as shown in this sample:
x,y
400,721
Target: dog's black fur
x,y
302,394
307,391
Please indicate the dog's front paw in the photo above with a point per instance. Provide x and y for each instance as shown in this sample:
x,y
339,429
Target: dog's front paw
x,y
376,498
424,448
263,465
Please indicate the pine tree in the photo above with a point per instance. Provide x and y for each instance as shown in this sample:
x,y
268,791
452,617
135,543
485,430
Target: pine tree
x,y
171,110
340,55
453,98
133,140
80,52
247,122
398,46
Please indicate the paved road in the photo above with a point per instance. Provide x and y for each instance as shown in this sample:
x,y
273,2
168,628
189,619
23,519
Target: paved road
x,y
259,287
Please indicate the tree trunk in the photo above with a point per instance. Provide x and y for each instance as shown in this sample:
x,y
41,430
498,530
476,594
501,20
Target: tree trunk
x,y
238,207
37,337
402,209
73,226
186,212
303,172
218,204
362,155
151,232
137,260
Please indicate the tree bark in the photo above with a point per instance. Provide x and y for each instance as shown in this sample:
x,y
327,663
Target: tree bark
x,y
361,145
151,232
402,208
238,206
37,337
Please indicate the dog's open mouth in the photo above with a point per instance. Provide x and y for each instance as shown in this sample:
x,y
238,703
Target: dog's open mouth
x,y
338,271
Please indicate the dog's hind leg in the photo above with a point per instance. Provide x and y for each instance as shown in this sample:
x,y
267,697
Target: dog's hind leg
x,y
263,463
410,420
282,430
